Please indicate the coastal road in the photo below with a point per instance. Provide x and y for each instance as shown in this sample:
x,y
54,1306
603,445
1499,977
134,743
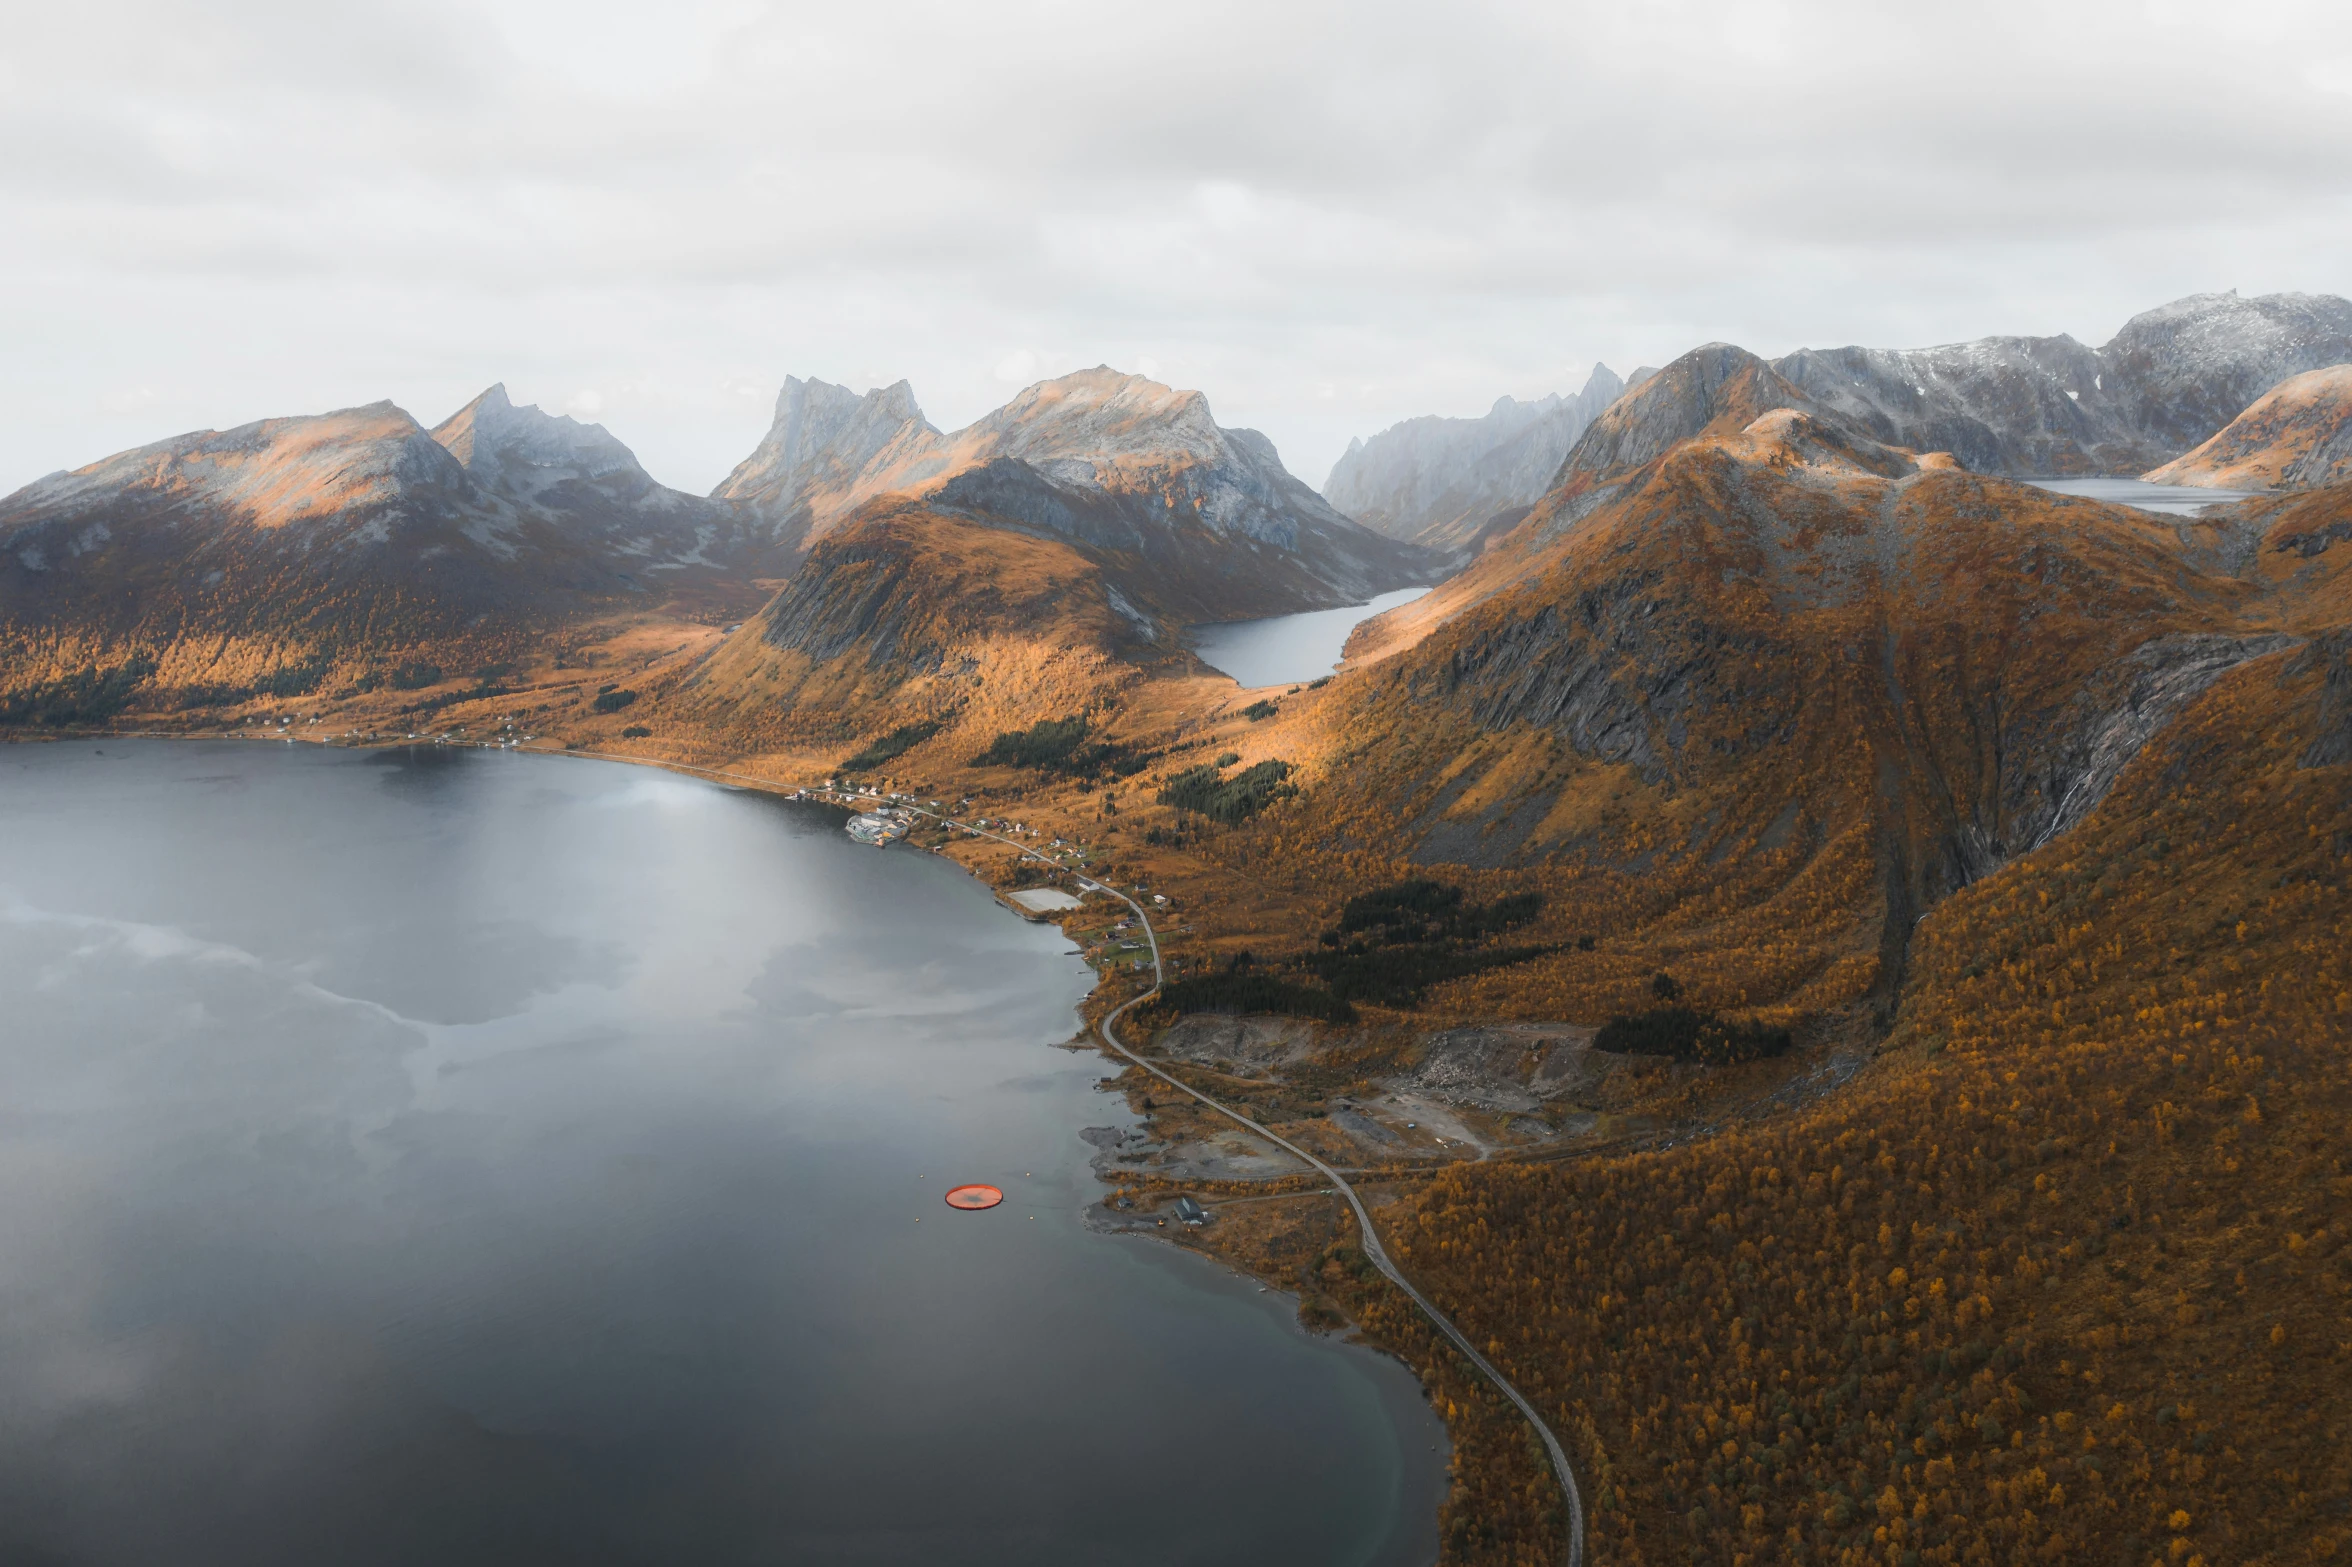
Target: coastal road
x,y
1370,1236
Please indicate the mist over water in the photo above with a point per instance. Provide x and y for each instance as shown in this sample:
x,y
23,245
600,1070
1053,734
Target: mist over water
x,y
1288,649
470,1157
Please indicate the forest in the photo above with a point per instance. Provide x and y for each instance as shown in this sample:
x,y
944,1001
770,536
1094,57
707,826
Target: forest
x,y
2061,1277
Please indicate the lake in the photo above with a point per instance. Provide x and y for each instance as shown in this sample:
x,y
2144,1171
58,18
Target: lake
x,y
2178,500
1287,649
463,1156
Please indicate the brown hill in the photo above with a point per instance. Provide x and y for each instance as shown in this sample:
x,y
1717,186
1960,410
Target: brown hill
x,y
910,616
2296,435
2065,796
1784,694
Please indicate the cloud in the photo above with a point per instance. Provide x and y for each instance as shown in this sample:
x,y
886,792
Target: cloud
x,y
1327,216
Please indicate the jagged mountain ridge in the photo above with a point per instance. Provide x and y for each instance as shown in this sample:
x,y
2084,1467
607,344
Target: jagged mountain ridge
x,y
299,538
1442,482
2169,379
2029,406
827,451
1112,462
1044,556
2295,436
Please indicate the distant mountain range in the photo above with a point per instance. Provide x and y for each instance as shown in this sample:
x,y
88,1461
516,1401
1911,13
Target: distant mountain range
x,y
1443,482
224,558
350,539
2170,379
1088,519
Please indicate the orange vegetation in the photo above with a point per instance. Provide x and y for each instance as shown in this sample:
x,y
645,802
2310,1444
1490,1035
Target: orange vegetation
x,y
2061,1277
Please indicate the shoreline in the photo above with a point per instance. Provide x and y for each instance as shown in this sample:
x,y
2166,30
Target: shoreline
x,y
1098,1033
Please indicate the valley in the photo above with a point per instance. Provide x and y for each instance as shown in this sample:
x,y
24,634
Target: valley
x,y
1829,962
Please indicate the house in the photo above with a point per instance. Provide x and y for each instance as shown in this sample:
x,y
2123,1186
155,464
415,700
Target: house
x,y
1191,1212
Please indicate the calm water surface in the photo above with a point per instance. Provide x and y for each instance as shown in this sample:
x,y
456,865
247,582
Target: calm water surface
x,y
2179,500
1288,649
468,1157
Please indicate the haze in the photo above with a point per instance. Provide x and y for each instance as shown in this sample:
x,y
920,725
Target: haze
x,y
1328,217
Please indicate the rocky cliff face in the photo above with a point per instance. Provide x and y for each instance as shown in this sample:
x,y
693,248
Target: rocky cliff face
x,y
2182,371
828,451
2029,405
2295,436
1134,469
1441,482
2048,405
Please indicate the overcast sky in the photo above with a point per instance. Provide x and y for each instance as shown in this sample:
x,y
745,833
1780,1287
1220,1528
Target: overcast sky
x,y
1328,217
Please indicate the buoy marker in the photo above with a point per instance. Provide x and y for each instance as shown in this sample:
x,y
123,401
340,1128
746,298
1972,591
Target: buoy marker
x,y
973,1198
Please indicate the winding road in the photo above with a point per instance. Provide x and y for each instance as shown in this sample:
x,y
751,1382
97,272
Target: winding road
x,y
1370,1236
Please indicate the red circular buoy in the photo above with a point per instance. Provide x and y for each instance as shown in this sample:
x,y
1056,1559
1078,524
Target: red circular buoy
x,y
974,1198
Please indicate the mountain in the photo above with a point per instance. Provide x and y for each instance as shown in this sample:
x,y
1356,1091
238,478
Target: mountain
x,y
2182,371
1712,390
1785,637
2031,817
1055,544
1441,482
1112,461
2048,405
828,450
219,557
2168,380
1123,463
2295,436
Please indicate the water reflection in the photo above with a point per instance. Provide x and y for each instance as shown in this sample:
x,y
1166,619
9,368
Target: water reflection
x,y
473,1157
1288,649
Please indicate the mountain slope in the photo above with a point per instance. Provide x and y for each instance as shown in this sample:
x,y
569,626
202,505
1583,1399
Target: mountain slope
x,y
1999,405
1789,676
2295,436
1441,482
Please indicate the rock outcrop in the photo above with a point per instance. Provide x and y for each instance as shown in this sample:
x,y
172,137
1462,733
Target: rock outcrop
x,y
2296,436
828,451
1712,390
1444,482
